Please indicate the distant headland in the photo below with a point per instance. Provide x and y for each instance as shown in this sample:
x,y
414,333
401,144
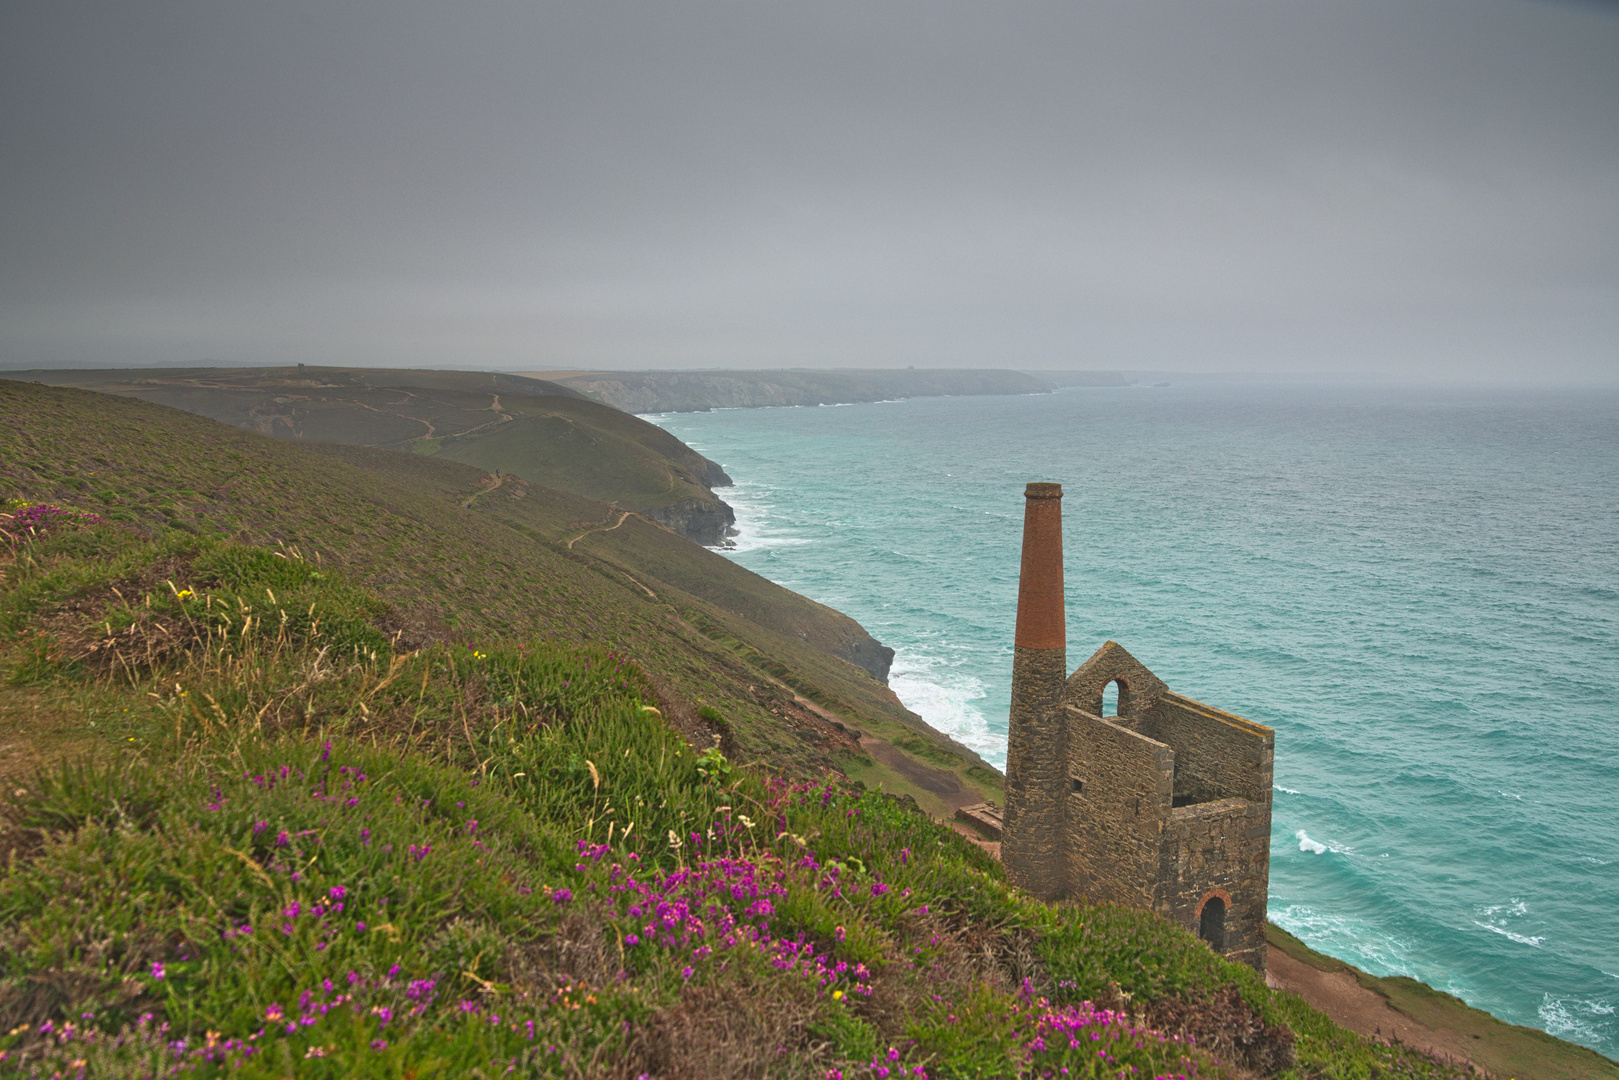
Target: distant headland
x,y
700,391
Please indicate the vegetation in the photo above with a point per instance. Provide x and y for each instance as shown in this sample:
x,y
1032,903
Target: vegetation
x,y
341,761
293,845
538,430
453,556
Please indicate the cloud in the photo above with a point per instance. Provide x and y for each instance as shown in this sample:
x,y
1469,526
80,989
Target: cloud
x,y
1267,186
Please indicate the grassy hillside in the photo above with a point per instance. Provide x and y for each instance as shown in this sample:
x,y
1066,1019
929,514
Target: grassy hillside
x,y
454,555
273,836
538,430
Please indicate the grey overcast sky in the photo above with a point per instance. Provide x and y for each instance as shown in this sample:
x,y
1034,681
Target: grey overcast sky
x,y
1414,187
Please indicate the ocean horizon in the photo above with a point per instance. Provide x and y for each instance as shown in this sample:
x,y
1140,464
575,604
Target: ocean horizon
x,y
1416,586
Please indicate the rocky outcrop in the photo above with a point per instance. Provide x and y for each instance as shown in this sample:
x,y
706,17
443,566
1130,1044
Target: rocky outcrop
x,y
708,522
700,391
870,654
714,476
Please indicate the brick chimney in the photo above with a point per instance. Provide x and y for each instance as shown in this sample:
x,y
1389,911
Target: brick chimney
x,y
1036,752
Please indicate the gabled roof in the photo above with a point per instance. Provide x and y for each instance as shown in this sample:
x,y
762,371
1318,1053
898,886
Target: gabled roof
x,y
1106,664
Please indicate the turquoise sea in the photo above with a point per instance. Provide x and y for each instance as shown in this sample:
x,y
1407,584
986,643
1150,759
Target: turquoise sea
x,y
1417,587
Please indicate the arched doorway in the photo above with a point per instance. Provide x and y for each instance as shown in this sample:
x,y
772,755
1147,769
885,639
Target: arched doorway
x,y
1211,923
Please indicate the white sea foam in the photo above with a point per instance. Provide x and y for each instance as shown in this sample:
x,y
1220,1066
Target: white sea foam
x,y
946,698
1514,906
1558,1017
1314,847
1511,795
1521,939
1348,937
755,527
1286,790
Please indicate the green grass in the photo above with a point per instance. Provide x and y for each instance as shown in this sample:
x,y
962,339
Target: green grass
x,y
542,432
395,523
281,854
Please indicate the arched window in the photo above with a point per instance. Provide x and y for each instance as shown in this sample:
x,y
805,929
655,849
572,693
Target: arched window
x,y
1211,923
1110,698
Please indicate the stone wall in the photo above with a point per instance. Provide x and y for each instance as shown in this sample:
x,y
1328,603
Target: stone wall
x,y
1217,755
1218,848
1118,806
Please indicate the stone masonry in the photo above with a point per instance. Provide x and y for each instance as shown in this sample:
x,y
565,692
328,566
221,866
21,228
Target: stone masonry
x,y
1165,805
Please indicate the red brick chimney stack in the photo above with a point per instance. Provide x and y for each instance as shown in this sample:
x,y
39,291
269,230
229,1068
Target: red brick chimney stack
x,y
1040,623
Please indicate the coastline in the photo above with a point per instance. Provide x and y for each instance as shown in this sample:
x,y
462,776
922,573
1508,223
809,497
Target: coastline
x,y
1417,1015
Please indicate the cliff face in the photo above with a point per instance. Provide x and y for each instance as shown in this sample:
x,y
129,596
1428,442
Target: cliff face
x,y
709,522
870,654
674,391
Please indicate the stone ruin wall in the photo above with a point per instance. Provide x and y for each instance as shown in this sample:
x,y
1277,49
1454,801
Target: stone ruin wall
x,y
1125,841
1218,755
1220,848
1114,827
1091,801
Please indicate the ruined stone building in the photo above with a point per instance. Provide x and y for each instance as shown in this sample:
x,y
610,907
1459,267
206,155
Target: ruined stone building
x,y
1163,805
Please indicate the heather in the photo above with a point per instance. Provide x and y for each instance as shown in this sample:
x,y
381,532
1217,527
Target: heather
x,y
298,847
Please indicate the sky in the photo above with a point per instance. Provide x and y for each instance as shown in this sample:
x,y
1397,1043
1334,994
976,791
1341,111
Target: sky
x,y
1409,188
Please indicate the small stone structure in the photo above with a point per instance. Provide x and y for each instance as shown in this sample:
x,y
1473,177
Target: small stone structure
x,y
984,819
1164,806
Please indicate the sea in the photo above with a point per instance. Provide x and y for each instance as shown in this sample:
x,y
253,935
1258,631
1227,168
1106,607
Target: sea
x,y
1416,586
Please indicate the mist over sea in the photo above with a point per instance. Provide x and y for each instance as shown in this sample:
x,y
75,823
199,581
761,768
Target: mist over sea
x,y
1417,587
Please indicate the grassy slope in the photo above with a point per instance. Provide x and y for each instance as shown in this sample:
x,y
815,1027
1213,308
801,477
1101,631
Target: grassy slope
x,y
585,448
295,851
1504,1049
500,568
539,430
146,468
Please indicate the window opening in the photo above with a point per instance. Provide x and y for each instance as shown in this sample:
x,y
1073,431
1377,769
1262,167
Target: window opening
x,y
1110,699
1211,924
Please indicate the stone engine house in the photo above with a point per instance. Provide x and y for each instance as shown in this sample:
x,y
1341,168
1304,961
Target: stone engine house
x,y
1164,805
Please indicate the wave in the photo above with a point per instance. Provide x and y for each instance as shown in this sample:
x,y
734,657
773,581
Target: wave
x,y
754,528
946,699
1349,937
1521,939
1317,847
1286,790
1558,1017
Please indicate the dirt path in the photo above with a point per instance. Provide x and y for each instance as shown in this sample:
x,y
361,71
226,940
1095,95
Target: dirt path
x,y
476,495
622,515
1351,1005
941,783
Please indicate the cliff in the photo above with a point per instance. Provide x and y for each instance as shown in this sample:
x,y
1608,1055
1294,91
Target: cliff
x,y
700,391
